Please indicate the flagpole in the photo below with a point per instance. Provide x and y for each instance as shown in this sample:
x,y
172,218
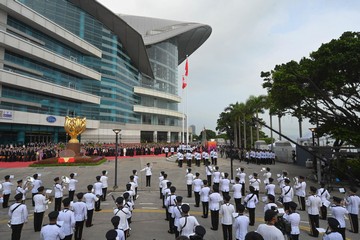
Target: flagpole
x,y
183,120
187,121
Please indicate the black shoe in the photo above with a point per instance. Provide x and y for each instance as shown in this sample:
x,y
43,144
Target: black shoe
x,y
171,232
166,219
213,229
204,216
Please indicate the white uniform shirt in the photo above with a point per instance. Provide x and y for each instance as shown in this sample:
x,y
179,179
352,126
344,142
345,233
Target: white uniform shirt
x,y
58,190
214,201
19,189
339,213
352,204
216,177
241,225
90,200
80,211
204,194
269,206
242,177
19,215
7,187
301,189
288,193
176,214
164,186
255,182
104,181
98,188
147,171
270,232
160,181
270,189
136,178
324,195
226,210
208,170
51,232
120,234
294,219
189,178
72,184
40,203
123,214
236,188
251,200
198,183
313,203
224,185
333,236
68,218
170,203
187,229
35,185
267,175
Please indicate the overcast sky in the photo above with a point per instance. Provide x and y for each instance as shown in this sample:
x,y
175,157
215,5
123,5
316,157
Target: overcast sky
x,y
247,37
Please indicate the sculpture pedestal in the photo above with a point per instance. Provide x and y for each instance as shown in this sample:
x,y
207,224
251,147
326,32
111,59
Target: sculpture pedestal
x,y
75,147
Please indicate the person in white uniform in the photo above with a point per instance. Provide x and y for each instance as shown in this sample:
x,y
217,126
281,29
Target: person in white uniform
x,y
236,188
35,185
339,212
352,205
72,186
52,231
148,173
104,180
268,230
324,195
226,212
58,193
270,188
300,188
332,231
67,217
242,175
241,223
313,204
41,204
123,213
80,213
204,198
197,184
294,218
187,223
90,200
267,175
6,191
189,177
18,215
214,205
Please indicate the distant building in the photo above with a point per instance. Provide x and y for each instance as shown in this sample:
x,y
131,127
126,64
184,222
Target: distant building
x,y
193,129
77,58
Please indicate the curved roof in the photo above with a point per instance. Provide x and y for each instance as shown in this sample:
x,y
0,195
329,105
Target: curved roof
x,y
190,36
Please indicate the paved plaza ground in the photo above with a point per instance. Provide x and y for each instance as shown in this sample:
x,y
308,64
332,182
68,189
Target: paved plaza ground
x,y
148,217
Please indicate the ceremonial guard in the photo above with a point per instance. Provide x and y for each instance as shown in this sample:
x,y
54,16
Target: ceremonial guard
x,y
267,176
18,215
281,179
197,157
116,233
313,204
197,183
90,200
52,231
300,186
215,157
170,204
268,230
209,172
104,180
189,180
339,212
225,185
187,223
80,213
72,186
180,157
123,213
214,205
98,192
136,181
324,194
35,185
352,204
250,202
241,223
6,191
216,177
255,182
332,231
236,188
20,189
167,193
242,176
287,194
58,194
227,210
270,188
166,151
204,197
270,205
294,218
163,187
176,215
189,158
40,207
67,217
161,178
148,173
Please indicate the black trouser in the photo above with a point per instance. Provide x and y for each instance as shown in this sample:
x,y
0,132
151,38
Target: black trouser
x,y
323,210
205,206
209,179
294,237
237,203
38,219
79,226
135,196
148,180
16,231
198,162
197,199
212,161
215,161
342,232
180,163
189,162
227,232
161,196
97,204
354,222
5,203
89,217
302,202
216,184
177,233
104,191
68,237
314,223
189,188
71,195
166,154
171,223
167,214
225,194
286,205
251,216
243,189
58,204
214,219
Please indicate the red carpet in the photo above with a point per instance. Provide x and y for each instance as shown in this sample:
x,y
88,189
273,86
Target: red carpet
x,y
26,164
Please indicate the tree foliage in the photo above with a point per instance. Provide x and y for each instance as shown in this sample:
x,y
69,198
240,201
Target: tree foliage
x,y
323,87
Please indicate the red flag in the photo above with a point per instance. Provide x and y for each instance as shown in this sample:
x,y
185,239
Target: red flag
x,y
186,67
184,84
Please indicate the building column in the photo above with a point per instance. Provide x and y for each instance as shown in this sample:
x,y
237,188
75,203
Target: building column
x,y
179,136
155,136
21,137
56,136
168,137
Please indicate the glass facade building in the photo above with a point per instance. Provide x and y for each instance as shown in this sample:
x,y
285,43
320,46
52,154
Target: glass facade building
x,y
70,58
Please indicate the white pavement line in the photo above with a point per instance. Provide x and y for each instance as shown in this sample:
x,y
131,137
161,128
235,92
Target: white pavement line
x,y
304,222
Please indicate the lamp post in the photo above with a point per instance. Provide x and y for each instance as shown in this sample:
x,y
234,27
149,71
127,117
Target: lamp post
x,y
318,160
116,131
313,130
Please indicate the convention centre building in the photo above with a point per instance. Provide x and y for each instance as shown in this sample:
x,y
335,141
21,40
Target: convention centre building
x,y
78,58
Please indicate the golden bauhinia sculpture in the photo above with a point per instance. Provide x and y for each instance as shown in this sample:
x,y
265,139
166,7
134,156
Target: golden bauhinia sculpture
x,y
74,127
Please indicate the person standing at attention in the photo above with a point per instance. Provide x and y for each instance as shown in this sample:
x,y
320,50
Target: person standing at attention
x,y
148,174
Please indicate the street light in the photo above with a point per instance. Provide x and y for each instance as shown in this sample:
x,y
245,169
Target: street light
x,y
317,161
313,130
116,131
